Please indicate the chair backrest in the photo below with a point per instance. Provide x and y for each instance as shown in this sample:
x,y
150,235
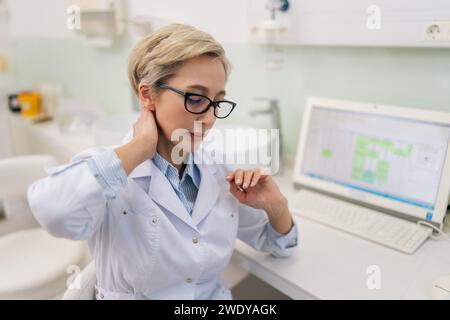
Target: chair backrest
x,y
83,286
17,173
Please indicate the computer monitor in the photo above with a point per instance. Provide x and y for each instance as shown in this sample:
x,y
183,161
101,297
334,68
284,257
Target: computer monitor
x,y
391,158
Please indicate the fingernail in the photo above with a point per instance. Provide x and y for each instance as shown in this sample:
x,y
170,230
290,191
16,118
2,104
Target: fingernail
x,y
238,181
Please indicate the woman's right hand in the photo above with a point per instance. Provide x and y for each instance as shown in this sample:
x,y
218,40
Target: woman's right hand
x,y
143,145
145,130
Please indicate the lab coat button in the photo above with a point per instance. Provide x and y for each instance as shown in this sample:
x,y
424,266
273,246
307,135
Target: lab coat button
x,y
195,240
188,280
154,220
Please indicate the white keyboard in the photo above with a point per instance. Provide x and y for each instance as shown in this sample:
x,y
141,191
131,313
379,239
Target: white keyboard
x,y
384,229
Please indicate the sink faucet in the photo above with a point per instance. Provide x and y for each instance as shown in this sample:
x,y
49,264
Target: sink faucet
x,y
274,111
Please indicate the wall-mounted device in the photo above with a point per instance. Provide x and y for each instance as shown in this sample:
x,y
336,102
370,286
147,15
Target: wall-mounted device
x,y
273,29
100,21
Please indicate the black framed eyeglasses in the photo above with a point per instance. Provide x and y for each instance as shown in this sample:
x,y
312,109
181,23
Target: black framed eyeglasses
x,y
197,104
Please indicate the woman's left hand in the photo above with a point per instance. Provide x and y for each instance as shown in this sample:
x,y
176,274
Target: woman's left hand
x,y
259,191
255,189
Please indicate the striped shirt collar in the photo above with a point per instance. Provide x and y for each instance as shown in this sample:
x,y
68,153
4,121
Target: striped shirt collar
x,y
190,170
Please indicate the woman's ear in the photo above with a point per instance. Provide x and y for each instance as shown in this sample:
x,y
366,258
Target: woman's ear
x,y
146,98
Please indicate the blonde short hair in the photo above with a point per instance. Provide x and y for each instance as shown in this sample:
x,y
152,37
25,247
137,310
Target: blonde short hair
x,y
157,56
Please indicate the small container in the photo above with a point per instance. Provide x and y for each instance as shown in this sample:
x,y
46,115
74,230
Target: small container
x,y
13,103
30,103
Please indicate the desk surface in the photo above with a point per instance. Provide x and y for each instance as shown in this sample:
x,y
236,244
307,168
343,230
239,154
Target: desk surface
x,y
330,264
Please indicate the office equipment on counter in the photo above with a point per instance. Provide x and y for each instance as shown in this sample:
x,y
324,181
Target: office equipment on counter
x,y
37,106
41,117
51,94
103,21
13,103
30,103
374,171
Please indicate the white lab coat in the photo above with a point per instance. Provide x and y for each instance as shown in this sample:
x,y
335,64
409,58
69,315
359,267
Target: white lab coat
x,y
146,245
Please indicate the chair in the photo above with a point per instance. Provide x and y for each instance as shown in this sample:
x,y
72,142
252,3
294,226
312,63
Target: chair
x,y
84,283
33,264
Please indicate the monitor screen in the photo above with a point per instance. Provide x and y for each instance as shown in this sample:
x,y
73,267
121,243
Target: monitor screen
x,y
394,158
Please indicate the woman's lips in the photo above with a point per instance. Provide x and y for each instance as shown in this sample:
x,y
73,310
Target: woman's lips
x,y
196,135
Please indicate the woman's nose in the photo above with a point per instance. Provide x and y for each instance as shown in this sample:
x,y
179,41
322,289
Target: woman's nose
x,y
208,117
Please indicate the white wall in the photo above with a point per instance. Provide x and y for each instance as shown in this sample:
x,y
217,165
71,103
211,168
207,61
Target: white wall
x,y
317,22
344,22
5,85
42,18
226,20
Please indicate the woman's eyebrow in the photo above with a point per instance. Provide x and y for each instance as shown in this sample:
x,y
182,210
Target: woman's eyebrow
x,y
204,89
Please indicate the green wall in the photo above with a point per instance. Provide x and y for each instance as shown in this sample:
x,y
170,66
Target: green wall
x,y
418,78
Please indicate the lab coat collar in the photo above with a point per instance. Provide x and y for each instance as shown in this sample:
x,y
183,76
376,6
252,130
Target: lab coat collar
x,y
208,192
161,192
145,169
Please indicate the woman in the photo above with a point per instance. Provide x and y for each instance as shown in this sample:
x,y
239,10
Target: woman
x,y
158,228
